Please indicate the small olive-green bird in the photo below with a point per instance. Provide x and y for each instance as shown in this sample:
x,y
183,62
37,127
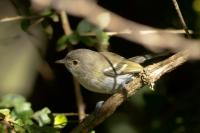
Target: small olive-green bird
x,y
101,72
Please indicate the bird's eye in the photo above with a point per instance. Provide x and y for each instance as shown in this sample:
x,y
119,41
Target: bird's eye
x,y
75,62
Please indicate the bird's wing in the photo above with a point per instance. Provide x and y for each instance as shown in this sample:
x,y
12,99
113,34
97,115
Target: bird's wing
x,y
118,65
138,59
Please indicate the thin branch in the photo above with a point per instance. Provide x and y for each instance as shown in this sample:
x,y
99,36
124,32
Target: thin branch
x,y
79,98
181,18
170,31
108,33
154,72
65,23
68,114
36,22
15,18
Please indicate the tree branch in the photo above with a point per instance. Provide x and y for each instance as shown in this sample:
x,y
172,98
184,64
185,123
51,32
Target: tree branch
x,y
154,72
181,18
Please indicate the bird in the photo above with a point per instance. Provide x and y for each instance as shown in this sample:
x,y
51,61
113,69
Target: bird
x,y
101,72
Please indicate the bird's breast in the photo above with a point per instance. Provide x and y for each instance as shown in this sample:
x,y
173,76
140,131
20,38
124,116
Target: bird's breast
x,y
105,85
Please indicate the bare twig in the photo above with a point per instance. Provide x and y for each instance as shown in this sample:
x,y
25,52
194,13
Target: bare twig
x,y
171,31
181,18
65,23
154,72
15,18
68,114
36,22
79,98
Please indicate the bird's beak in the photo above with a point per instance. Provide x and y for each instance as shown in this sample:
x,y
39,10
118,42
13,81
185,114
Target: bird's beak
x,y
61,61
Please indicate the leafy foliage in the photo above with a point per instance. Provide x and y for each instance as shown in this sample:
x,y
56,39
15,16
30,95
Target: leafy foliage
x,y
85,33
17,115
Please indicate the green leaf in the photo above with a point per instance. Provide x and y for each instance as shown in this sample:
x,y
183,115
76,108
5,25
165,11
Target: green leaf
x,y
47,12
48,30
103,40
99,36
42,117
60,121
102,37
54,17
61,43
73,39
66,40
89,41
17,112
19,128
85,26
23,107
11,100
13,120
22,118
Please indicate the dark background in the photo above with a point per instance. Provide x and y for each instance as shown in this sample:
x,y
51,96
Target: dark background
x,y
174,105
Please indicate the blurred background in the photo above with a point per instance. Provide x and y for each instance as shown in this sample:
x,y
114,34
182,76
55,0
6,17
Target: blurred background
x,y
28,51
